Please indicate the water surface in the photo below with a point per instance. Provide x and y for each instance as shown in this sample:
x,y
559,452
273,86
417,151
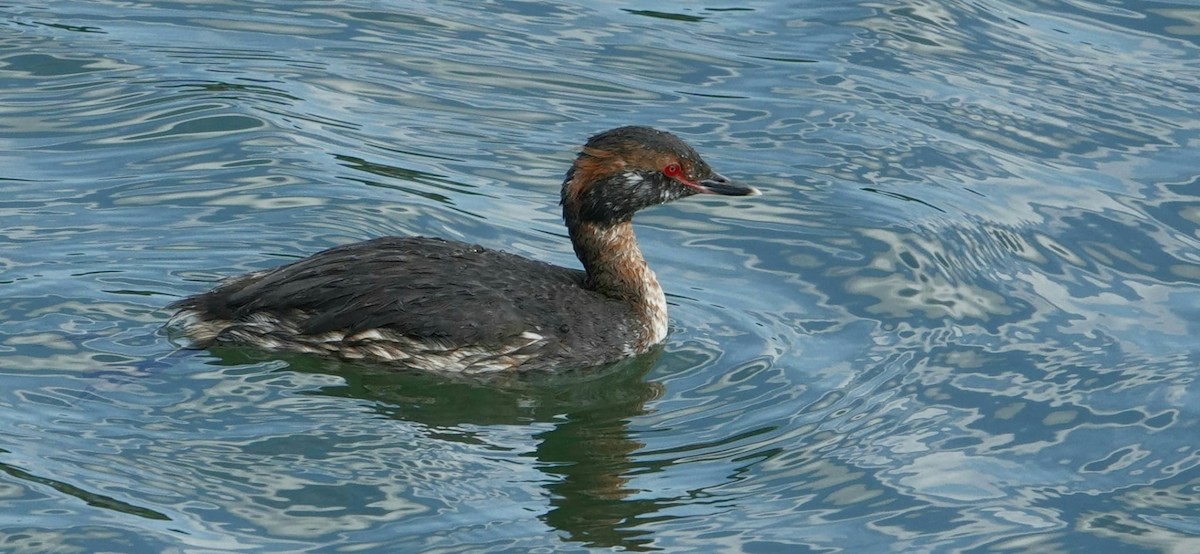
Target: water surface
x,y
961,318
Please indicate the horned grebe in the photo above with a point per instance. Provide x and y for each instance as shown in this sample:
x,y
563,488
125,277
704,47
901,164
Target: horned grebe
x,y
450,306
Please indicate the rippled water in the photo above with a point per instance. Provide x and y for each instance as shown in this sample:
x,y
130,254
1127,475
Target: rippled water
x,y
962,317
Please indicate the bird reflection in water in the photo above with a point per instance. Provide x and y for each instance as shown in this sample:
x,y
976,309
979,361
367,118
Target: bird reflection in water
x,y
587,453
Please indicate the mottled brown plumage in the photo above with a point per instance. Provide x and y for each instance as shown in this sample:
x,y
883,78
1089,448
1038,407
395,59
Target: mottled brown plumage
x,y
452,306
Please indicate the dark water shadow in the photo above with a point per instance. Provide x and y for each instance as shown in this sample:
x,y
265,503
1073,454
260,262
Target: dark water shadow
x,y
587,453
87,496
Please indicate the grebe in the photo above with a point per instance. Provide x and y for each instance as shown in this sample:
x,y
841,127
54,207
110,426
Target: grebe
x,y
444,305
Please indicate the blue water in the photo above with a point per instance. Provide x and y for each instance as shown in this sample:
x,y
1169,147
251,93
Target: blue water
x,y
962,317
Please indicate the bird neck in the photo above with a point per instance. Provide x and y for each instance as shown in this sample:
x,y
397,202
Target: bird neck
x,y
615,268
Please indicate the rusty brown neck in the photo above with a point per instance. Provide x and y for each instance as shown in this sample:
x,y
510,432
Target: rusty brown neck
x,y
616,268
612,259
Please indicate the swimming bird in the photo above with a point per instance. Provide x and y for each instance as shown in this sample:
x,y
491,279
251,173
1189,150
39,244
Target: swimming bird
x,y
444,305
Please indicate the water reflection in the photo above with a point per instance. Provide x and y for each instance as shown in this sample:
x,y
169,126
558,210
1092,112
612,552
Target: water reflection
x,y
91,498
586,453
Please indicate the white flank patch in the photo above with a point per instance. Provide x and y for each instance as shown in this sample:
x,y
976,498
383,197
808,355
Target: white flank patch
x,y
265,330
332,336
369,334
533,337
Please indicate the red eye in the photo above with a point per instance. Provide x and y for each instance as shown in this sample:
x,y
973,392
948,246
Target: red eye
x,y
672,170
